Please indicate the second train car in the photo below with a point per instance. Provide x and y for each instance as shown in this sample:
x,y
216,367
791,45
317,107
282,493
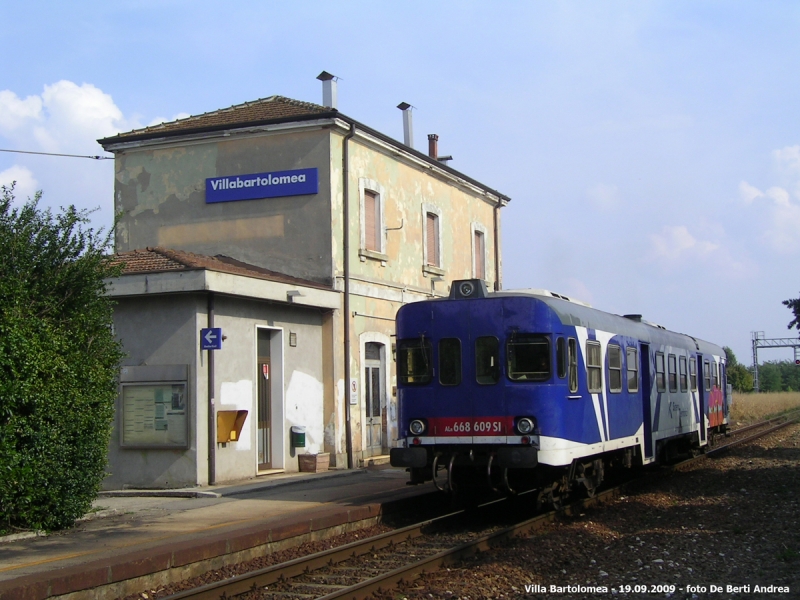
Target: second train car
x,y
532,389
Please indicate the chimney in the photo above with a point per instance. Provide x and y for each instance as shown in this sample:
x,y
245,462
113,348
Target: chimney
x,y
329,99
433,146
408,130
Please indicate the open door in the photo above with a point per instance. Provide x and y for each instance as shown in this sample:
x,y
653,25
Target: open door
x,y
264,402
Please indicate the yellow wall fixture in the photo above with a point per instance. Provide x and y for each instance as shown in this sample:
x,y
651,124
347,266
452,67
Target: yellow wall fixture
x,y
229,425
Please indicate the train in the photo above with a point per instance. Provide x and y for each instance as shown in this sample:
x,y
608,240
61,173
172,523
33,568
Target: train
x,y
530,389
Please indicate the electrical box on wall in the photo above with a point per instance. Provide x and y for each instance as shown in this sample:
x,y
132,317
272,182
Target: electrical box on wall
x,y
229,425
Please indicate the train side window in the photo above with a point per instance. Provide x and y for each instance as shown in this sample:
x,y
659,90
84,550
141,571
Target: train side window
x,y
614,368
707,375
594,367
449,361
528,357
715,373
661,382
693,374
682,372
633,369
572,359
672,364
487,360
414,366
561,358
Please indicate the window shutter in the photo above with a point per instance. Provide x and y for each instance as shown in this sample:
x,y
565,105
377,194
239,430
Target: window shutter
x,y
371,221
480,254
432,224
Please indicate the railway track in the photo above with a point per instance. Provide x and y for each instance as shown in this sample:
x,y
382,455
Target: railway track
x,y
359,569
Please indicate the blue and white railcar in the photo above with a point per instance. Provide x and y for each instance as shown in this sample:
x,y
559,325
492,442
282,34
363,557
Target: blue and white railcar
x,y
532,383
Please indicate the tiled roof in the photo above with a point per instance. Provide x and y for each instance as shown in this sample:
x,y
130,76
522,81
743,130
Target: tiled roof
x,y
160,260
274,108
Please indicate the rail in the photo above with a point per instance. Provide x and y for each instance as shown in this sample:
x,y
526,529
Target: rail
x,y
337,566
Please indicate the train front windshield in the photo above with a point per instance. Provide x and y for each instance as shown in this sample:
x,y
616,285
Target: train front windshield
x,y
414,361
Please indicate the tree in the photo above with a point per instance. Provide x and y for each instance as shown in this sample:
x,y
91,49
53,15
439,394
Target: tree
x,y
58,364
738,376
794,306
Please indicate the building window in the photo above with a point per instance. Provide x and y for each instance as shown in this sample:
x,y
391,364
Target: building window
x,y
661,380
594,367
478,251
673,373
372,220
682,372
632,359
614,368
432,240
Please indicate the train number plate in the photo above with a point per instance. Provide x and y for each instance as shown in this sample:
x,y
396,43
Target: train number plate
x,y
469,426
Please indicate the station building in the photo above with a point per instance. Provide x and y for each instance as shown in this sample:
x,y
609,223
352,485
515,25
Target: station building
x,y
298,232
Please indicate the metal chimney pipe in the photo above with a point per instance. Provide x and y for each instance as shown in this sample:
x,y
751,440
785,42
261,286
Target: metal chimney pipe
x,y
433,146
329,94
408,130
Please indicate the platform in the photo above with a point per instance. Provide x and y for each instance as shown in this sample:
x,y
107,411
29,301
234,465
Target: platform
x,y
142,537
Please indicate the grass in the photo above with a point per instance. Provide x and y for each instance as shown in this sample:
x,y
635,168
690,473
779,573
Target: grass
x,y
749,408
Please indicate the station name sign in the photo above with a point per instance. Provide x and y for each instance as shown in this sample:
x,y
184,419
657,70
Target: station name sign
x,y
297,182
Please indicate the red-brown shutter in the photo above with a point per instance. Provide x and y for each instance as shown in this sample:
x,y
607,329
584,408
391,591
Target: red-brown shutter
x,y
371,221
480,253
432,224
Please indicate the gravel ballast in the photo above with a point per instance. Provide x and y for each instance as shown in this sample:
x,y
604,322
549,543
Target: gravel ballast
x,y
729,522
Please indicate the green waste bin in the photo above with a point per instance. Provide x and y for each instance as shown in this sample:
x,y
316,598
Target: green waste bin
x,y
298,436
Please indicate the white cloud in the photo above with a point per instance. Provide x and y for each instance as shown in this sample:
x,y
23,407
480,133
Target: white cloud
x,y
781,215
66,117
604,197
788,158
749,192
26,184
783,233
673,243
159,120
14,111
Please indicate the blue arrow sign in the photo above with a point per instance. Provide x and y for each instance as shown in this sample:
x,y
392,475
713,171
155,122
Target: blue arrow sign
x,y
211,339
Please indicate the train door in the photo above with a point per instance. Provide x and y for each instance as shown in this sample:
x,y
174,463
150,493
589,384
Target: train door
x,y
701,394
264,402
647,415
374,397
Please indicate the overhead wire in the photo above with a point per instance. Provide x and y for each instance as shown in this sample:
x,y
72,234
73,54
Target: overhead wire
x,y
96,157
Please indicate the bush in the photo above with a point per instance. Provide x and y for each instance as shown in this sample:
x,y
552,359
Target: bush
x,y
58,364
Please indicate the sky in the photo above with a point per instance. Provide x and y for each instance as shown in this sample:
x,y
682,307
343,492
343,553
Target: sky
x,y
651,150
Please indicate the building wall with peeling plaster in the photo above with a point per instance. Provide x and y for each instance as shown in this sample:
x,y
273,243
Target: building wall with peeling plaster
x,y
161,194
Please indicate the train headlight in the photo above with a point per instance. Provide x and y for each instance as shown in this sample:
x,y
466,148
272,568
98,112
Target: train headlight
x,y
417,427
524,426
